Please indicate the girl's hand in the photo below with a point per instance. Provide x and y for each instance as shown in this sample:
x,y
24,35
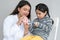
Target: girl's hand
x,y
36,24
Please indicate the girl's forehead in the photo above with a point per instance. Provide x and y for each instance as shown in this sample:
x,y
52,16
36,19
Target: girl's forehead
x,y
38,11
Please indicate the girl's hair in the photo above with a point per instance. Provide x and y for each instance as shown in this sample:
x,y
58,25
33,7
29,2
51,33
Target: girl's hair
x,y
42,7
20,5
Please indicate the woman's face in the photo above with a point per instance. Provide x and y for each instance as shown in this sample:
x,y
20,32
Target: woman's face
x,y
40,14
24,10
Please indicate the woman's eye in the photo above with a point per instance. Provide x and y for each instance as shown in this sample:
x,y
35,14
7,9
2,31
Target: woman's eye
x,y
25,9
39,13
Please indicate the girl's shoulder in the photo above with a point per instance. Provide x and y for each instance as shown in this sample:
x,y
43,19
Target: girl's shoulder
x,y
49,19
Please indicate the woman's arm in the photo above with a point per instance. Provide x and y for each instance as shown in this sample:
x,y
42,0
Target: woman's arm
x,y
9,27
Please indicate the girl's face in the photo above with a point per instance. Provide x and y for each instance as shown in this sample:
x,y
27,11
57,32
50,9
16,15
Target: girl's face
x,y
40,14
24,10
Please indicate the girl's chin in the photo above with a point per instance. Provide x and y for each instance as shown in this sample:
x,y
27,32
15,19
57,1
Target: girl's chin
x,y
40,18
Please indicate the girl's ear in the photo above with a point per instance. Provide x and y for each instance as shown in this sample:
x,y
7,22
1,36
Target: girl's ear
x,y
45,12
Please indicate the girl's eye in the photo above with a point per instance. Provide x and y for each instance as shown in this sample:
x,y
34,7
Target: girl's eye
x,y
38,13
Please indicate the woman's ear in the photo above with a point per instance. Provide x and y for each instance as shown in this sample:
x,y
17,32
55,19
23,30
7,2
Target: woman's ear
x,y
18,9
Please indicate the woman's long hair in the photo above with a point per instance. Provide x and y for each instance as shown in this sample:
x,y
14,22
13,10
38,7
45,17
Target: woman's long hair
x,y
21,4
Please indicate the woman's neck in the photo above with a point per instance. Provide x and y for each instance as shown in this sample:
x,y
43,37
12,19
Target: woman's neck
x,y
19,16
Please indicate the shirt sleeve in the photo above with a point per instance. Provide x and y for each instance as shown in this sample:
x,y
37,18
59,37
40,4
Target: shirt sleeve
x,y
47,26
31,27
9,27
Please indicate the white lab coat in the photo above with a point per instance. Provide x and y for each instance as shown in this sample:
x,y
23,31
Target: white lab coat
x,y
11,31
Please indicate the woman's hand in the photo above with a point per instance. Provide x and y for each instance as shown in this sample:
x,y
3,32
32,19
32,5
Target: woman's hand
x,y
26,25
20,20
25,20
26,29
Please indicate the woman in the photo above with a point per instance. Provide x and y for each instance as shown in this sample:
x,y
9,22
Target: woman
x,y
16,25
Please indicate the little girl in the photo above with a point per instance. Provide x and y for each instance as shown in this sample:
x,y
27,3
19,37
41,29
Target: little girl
x,y
42,25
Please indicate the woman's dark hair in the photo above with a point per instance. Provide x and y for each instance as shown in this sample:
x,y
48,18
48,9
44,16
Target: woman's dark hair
x,y
21,4
42,7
